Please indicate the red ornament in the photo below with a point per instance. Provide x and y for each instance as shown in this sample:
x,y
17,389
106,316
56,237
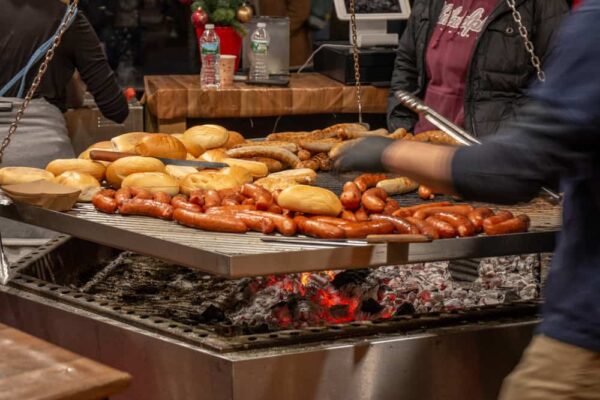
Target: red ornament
x,y
199,17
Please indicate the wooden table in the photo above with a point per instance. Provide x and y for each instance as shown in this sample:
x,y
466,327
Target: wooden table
x,y
32,369
172,99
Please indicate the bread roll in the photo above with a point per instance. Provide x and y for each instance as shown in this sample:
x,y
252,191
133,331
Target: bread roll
x,y
234,138
161,145
126,142
195,149
305,176
93,168
257,169
85,183
207,180
207,136
398,185
274,184
240,174
179,171
15,175
272,164
153,181
310,200
214,155
123,167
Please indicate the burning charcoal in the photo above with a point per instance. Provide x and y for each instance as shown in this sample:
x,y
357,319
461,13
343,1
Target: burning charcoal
x,y
370,306
405,309
355,276
212,314
339,311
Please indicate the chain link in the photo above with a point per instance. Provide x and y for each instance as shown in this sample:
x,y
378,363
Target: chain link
x,y
38,79
535,60
355,56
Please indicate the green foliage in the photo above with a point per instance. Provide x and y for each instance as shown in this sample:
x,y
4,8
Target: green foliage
x,y
222,12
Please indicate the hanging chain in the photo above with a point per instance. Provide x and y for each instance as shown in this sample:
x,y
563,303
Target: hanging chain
x,y
535,60
37,80
355,56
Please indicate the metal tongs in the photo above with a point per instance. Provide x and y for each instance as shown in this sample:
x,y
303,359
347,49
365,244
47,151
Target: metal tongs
x,y
455,132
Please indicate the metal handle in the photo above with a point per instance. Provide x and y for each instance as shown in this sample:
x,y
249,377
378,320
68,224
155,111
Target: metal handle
x,y
111,156
4,270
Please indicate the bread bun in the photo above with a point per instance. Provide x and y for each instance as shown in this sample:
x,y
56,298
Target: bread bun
x,y
179,171
257,169
240,174
126,142
272,164
16,175
234,138
275,184
161,145
123,167
305,176
310,200
207,180
86,183
153,181
207,136
214,155
195,149
93,168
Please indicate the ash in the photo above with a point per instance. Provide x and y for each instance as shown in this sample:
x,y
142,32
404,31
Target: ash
x,y
254,305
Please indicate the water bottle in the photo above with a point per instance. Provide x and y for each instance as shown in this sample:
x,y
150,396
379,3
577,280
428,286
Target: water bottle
x,y
210,51
259,45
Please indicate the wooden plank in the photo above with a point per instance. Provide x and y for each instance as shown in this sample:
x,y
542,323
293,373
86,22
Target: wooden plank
x,y
33,369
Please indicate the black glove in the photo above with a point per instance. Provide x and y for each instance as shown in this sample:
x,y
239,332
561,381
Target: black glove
x,y
364,156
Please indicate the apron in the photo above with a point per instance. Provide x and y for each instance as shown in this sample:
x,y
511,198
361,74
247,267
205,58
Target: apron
x,y
42,136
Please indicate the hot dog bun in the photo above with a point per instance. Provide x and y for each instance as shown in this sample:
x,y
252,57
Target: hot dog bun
x,y
153,181
161,145
179,171
86,183
123,167
207,136
193,148
93,168
273,184
126,142
16,175
240,174
310,200
207,180
234,138
305,176
213,155
257,169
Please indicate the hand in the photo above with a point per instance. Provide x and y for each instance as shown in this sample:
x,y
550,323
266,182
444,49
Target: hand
x,y
364,156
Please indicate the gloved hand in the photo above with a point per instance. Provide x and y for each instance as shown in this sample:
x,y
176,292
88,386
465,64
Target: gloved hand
x,y
364,156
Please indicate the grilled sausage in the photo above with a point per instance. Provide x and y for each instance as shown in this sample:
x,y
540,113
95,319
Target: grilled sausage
x,y
409,211
501,216
278,153
304,155
462,209
149,208
197,197
258,223
478,215
444,229
401,225
275,209
230,201
122,195
284,224
229,209
373,200
391,205
425,228
348,215
350,196
329,220
365,181
210,222
366,228
463,226
105,202
361,215
514,225
211,199
180,201
425,193
141,193
261,196
162,197
318,229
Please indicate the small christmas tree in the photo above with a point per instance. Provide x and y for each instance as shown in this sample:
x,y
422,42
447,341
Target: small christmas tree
x,y
232,13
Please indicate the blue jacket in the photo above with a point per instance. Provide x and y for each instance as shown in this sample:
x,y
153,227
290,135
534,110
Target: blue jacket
x,y
555,139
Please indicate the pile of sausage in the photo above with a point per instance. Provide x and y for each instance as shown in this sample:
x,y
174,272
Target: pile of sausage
x,y
367,210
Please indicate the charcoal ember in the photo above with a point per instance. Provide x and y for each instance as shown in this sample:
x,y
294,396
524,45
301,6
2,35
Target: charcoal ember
x,y
354,276
212,314
371,306
339,311
405,309
511,296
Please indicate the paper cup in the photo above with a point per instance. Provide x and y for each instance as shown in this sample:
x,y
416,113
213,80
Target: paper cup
x,y
227,63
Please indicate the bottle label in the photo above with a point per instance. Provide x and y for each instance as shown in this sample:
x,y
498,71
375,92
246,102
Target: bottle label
x,y
260,46
210,48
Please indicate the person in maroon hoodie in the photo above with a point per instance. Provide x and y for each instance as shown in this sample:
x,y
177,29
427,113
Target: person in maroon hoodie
x,y
467,60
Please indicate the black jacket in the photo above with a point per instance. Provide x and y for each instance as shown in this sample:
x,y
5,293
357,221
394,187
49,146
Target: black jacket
x,y
500,69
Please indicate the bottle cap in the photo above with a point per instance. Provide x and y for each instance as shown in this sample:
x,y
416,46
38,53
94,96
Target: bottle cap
x,y
261,25
209,26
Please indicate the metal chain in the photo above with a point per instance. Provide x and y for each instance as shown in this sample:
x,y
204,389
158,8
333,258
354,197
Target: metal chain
x,y
355,56
535,60
37,80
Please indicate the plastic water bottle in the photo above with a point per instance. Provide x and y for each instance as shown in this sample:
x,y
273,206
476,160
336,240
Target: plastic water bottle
x,y
210,52
259,45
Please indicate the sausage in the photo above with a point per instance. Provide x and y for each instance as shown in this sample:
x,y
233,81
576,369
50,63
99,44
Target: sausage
x,y
197,197
462,209
373,199
425,193
284,224
304,155
311,163
391,205
105,202
278,153
249,202
478,215
149,208
350,196
319,229
230,197
400,224
122,195
501,216
324,161
211,199
425,228
398,185
261,196
141,193
162,197
409,211
275,209
210,222
365,181
329,220
180,201
445,229
230,201
258,223
229,209
513,225
361,215
366,228
348,215
463,226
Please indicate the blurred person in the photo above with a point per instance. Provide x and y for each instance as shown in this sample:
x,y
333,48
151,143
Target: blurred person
x,y
467,60
555,135
298,12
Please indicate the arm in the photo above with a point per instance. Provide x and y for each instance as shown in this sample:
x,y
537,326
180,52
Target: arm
x,y
405,75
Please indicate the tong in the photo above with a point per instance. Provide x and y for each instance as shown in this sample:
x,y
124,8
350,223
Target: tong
x,y
455,132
